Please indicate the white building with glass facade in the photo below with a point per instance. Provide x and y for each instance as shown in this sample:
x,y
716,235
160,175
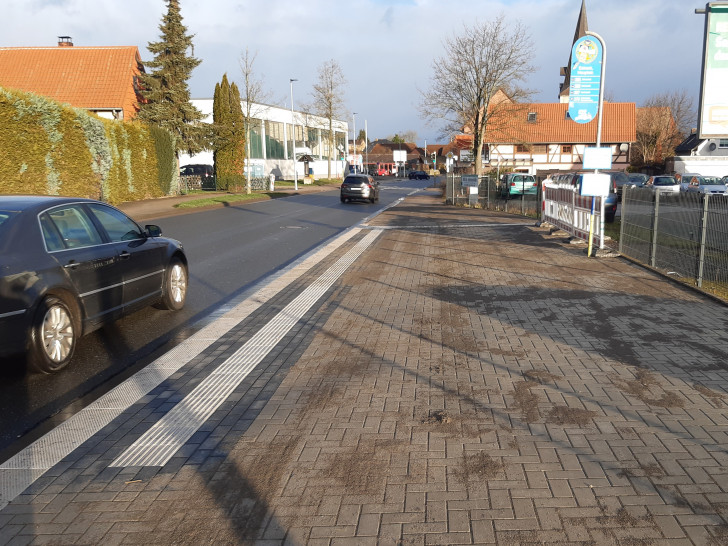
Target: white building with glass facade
x,y
272,134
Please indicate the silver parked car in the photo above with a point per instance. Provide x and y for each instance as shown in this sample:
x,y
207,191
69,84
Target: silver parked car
x,y
663,184
684,179
707,185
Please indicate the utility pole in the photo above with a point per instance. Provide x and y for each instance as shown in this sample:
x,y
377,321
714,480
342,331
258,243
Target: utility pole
x,y
293,139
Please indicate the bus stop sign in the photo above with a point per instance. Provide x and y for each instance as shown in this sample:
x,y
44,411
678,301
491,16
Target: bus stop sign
x,y
586,79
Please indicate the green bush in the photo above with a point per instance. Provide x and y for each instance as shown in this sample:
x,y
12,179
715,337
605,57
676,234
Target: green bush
x,y
53,149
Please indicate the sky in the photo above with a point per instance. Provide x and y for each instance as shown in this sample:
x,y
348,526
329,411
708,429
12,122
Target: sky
x,y
388,49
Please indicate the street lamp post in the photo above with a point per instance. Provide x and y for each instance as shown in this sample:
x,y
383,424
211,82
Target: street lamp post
x,y
293,139
353,115
366,145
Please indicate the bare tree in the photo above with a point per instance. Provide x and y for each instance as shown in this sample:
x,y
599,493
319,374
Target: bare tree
x,y
253,94
477,62
328,97
405,136
662,123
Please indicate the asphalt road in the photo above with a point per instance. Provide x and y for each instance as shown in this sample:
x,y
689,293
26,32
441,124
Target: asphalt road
x,y
229,249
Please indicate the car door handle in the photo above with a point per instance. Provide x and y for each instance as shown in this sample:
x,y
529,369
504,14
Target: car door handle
x,y
72,264
125,255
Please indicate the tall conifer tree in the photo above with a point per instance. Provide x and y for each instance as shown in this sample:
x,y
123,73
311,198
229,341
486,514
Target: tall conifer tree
x,y
167,96
229,149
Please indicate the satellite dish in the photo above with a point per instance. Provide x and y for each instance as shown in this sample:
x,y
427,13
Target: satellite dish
x,y
712,147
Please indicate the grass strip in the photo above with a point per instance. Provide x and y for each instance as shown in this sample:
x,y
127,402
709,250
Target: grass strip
x,y
229,199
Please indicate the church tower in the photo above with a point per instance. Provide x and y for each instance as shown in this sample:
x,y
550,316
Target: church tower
x,y
581,27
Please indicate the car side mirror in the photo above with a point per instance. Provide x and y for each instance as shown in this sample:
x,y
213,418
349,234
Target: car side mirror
x,y
152,230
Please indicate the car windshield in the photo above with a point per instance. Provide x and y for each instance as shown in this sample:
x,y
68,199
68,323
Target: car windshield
x,y
711,181
621,178
664,181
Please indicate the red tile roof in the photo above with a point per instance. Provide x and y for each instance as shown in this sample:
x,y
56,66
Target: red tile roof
x,y
97,78
551,126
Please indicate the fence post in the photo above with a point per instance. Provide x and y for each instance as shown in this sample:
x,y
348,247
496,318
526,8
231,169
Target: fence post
x,y
523,200
655,218
487,192
573,208
703,233
622,221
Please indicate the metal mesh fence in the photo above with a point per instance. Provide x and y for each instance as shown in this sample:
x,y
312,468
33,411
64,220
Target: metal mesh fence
x,y
491,195
211,183
684,235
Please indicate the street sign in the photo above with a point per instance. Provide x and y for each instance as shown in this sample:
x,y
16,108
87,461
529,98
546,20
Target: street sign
x,y
469,180
586,79
713,110
598,158
595,185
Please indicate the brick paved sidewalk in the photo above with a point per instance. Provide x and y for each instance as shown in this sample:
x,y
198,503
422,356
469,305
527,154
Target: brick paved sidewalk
x,y
470,379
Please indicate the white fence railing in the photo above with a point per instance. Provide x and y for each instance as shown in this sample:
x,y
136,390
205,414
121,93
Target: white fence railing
x,y
564,208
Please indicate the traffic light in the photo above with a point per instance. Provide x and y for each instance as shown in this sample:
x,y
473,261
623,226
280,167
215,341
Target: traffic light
x,y
434,157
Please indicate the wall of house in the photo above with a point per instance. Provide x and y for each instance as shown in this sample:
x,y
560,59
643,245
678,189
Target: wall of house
x,y
549,157
707,166
713,147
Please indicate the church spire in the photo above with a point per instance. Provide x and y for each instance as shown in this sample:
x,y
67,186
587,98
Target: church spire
x,y
581,27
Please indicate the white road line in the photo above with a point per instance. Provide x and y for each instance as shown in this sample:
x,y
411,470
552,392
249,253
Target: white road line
x,y
452,226
21,470
171,432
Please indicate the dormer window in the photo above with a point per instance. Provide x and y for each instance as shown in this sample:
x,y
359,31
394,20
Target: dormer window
x,y
532,117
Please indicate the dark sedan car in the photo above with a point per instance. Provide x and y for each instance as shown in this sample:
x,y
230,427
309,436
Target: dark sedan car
x,y
359,187
418,175
69,266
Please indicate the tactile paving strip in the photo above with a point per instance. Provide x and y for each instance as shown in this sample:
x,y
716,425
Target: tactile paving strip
x,y
169,434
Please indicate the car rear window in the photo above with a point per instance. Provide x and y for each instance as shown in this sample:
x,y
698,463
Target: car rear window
x,y
664,181
354,180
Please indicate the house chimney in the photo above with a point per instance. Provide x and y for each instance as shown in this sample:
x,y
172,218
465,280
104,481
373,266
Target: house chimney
x,y
65,41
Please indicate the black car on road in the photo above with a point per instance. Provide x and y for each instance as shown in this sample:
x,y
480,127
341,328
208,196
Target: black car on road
x,y
418,175
70,265
359,187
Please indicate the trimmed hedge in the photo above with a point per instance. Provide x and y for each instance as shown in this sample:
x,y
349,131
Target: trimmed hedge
x,y
53,149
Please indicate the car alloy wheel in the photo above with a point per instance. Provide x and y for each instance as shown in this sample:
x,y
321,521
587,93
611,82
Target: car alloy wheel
x,y
174,291
53,336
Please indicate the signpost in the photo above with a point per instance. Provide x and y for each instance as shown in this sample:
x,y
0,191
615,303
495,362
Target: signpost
x,y
586,96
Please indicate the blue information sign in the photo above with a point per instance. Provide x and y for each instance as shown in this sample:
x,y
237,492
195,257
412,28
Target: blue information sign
x,y
586,79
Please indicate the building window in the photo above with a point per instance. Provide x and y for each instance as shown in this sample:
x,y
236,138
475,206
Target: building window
x,y
723,143
522,148
256,142
539,148
340,144
313,142
325,143
299,130
566,149
274,143
532,117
